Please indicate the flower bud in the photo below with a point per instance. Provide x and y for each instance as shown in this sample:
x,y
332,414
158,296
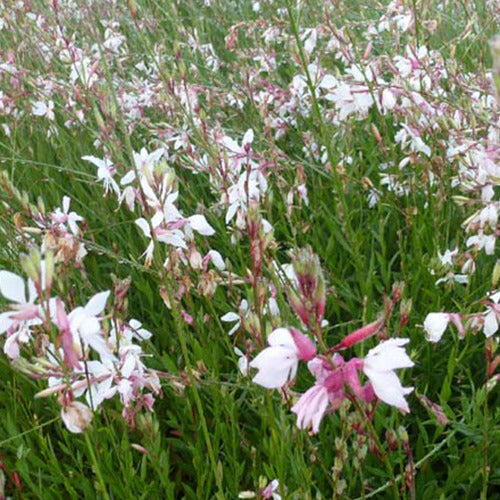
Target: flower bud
x,y
309,304
31,265
495,276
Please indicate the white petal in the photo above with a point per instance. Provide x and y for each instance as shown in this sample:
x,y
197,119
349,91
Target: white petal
x,y
231,211
434,325
12,287
281,337
230,317
490,324
5,321
248,137
388,355
88,328
199,223
217,260
128,367
388,388
96,161
143,224
276,365
76,416
97,303
127,178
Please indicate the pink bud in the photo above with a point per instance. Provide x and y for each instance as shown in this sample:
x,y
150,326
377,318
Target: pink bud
x,y
359,335
457,321
66,338
305,347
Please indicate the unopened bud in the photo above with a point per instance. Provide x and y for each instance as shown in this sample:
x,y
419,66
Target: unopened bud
x,y
31,265
392,439
403,434
405,310
49,270
132,6
495,276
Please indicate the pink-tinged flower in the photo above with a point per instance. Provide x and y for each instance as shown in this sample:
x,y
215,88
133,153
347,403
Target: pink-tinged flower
x,y
12,287
76,416
311,407
332,376
271,491
379,366
64,216
277,364
24,313
436,323
66,337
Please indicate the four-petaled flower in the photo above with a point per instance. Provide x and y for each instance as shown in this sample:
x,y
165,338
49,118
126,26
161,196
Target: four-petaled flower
x,y
277,364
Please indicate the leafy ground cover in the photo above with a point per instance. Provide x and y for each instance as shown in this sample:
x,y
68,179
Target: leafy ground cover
x,y
248,249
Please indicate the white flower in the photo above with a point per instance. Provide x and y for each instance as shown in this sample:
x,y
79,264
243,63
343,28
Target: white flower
x,y
85,326
417,145
41,108
379,366
76,416
232,317
434,325
490,325
216,259
448,257
61,217
105,173
278,363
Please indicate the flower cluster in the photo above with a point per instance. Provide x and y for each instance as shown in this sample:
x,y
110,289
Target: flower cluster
x,y
80,351
336,379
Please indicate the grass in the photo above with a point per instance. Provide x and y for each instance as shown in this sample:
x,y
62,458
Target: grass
x,y
214,433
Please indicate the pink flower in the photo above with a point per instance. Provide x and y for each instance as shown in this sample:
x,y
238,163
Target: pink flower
x,y
311,407
277,364
328,393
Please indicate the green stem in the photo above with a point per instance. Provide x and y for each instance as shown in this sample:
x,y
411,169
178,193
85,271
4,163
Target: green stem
x,y
484,492
95,466
339,185
378,444
192,380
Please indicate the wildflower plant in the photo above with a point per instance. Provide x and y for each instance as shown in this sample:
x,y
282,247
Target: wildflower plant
x,y
249,249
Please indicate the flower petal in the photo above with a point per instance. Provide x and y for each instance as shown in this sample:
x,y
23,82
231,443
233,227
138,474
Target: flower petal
x,y
97,303
199,224
12,287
